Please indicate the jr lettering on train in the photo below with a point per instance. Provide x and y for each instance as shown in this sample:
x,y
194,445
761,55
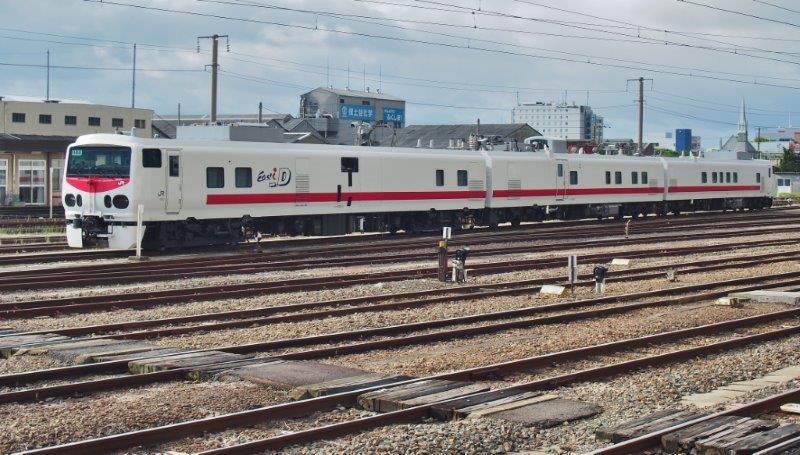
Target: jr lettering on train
x,y
276,177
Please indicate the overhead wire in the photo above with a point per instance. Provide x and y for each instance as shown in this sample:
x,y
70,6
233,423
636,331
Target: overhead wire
x,y
693,74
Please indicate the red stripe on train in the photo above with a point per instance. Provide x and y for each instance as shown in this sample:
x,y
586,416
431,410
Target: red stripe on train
x,y
700,189
97,184
551,192
282,198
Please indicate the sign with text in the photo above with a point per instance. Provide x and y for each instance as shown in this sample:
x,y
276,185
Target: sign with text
x,y
393,114
357,112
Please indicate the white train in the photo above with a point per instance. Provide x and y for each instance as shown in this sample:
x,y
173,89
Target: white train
x,y
204,192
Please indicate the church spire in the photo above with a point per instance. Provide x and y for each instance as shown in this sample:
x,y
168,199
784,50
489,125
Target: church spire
x,y
743,121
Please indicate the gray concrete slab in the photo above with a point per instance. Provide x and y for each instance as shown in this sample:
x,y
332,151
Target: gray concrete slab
x,y
549,413
765,296
290,374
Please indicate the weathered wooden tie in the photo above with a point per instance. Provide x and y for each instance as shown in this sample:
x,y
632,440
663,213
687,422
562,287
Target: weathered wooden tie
x,y
345,384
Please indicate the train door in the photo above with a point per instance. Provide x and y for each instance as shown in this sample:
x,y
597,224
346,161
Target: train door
x,y
349,182
174,187
302,182
561,179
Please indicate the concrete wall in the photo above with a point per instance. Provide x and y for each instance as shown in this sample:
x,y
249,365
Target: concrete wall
x,y
58,113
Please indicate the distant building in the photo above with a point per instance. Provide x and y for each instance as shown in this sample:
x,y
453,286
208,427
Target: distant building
x,y
334,113
35,133
248,132
787,182
624,146
166,126
458,136
740,142
570,122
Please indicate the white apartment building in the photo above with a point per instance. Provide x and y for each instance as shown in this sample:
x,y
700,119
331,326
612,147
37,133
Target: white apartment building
x,y
566,121
35,133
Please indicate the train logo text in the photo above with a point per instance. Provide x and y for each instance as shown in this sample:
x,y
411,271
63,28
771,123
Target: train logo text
x,y
276,177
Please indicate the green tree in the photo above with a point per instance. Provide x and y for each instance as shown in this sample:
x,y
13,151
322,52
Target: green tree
x,y
790,162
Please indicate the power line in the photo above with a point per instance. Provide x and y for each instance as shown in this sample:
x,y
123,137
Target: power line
x,y
691,73
363,19
637,27
749,107
774,5
101,68
739,13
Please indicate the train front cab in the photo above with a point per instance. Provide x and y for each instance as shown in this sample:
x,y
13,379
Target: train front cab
x,y
98,197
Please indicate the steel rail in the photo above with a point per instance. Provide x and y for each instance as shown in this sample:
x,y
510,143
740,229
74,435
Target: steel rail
x,y
233,319
252,417
124,381
15,310
466,235
299,259
45,307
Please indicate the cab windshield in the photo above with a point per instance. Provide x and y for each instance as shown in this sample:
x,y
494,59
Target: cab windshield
x,y
99,161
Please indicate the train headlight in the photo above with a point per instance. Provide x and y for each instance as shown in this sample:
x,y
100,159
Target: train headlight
x,y
80,200
121,202
107,201
69,199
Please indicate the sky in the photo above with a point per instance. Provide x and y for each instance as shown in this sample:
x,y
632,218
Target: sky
x,y
454,61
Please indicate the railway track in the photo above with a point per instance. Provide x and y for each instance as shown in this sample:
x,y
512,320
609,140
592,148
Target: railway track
x,y
370,243
306,311
399,334
83,304
319,346
92,275
286,410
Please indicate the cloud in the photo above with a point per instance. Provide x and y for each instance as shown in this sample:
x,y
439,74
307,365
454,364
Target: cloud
x,y
534,69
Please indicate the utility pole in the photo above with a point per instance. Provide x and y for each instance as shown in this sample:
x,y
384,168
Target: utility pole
x,y
758,141
641,81
47,97
214,67
260,111
133,79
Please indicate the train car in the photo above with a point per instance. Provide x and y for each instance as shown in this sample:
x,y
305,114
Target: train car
x,y
206,192
718,183
535,186
551,183
201,192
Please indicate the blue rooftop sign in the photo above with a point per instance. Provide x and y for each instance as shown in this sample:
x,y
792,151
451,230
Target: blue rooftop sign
x,y
392,114
357,112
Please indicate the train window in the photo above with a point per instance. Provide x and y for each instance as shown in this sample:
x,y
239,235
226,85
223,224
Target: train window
x,y
645,181
608,177
634,178
704,177
618,178
463,178
174,166
573,177
215,177
439,177
727,177
713,177
735,177
244,177
560,170
349,164
758,177
151,157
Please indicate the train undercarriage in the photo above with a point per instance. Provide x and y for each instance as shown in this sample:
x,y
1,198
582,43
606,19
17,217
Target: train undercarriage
x,y
193,232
